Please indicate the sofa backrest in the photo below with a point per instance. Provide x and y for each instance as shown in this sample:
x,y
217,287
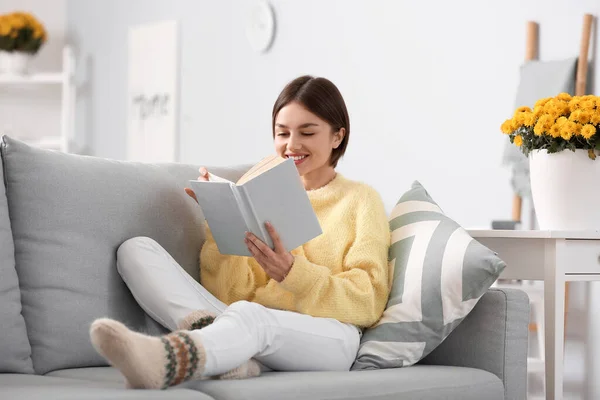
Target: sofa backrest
x,y
69,214
15,351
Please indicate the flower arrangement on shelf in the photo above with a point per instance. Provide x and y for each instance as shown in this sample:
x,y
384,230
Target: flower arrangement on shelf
x,y
21,32
556,124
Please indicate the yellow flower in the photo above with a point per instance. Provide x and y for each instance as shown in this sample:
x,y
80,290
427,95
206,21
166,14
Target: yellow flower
x,y
577,129
518,140
554,113
555,130
588,105
18,21
575,115
564,96
508,126
561,120
538,130
528,119
588,131
561,108
567,135
585,117
595,119
4,27
575,103
542,102
523,109
519,119
567,130
547,121
550,105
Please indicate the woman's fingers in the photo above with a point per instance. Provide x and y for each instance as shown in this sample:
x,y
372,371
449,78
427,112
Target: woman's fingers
x,y
275,237
260,245
259,257
203,174
191,193
264,256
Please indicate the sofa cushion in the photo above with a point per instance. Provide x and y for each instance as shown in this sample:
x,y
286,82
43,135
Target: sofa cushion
x,y
35,387
96,374
417,382
15,351
69,215
439,273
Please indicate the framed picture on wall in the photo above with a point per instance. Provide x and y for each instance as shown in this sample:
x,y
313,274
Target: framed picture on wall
x,y
153,92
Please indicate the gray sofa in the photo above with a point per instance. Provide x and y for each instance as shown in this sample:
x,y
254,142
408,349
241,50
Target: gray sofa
x,y
62,219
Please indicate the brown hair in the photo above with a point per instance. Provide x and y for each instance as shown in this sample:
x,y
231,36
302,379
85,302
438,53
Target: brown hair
x,y
322,98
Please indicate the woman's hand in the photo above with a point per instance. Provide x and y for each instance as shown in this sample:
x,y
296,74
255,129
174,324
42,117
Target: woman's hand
x,y
276,263
203,177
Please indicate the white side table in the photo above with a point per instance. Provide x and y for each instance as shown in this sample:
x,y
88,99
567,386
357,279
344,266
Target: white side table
x,y
553,257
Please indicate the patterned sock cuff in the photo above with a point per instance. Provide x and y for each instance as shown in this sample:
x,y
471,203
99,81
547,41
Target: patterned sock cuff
x,y
196,320
202,322
182,358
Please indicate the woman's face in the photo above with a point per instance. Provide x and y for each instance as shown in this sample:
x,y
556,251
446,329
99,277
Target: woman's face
x,y
303,136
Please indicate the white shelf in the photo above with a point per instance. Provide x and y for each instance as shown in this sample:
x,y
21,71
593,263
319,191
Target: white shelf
x,y
41,78
65,80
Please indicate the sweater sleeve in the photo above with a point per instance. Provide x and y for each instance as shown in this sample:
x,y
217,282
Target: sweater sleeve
x,y
359,293
229,278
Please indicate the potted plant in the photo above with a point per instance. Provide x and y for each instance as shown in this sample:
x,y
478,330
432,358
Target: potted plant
x,y
560,137
21,37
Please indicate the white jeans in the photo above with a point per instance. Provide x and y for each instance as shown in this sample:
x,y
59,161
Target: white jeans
x,y
280,340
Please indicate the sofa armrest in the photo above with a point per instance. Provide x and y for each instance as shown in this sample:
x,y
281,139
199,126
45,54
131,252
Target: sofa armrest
x,y
493,337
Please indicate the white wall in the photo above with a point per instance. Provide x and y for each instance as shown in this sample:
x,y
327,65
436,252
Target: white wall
x,y
34,111
427,83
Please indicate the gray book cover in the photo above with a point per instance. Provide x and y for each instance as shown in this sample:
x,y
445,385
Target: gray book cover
x,y
276,195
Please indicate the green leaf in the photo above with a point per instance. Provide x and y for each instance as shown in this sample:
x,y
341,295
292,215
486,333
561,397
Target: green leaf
x,y
591,154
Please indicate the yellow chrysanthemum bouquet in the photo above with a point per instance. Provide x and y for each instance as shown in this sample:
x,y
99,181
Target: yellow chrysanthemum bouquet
x,y
21,31
556,124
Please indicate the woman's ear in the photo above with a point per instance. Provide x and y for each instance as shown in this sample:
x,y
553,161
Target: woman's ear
x,y
338,137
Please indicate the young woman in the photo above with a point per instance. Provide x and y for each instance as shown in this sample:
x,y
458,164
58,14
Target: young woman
x,y
290,311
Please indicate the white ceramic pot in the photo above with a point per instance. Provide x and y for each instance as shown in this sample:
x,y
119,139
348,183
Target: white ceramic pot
x,y
565,188
14,62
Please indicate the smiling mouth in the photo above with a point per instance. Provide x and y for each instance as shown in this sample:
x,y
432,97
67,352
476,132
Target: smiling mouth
x,y
298,159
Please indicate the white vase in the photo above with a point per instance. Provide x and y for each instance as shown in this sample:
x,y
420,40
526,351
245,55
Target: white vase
x,y
565,188
14,62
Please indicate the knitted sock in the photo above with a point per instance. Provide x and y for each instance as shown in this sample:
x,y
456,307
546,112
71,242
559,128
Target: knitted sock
x,y
249,369
148,362
196,320
200,319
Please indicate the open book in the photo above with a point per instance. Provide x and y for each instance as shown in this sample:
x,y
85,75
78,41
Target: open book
x,y
270,191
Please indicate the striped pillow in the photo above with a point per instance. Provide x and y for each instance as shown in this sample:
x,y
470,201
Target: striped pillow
x,y
439,273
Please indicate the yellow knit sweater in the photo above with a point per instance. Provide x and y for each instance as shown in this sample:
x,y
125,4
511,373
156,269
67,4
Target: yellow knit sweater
x,y
341,274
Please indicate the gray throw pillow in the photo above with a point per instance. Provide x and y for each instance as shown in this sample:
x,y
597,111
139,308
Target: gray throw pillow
x,y
15,351
69,215
439,272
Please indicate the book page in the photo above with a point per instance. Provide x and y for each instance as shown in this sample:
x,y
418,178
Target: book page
x,y
215,178
225,219
263,165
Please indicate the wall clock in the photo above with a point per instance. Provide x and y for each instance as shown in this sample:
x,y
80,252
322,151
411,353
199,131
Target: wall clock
x,y
260,25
